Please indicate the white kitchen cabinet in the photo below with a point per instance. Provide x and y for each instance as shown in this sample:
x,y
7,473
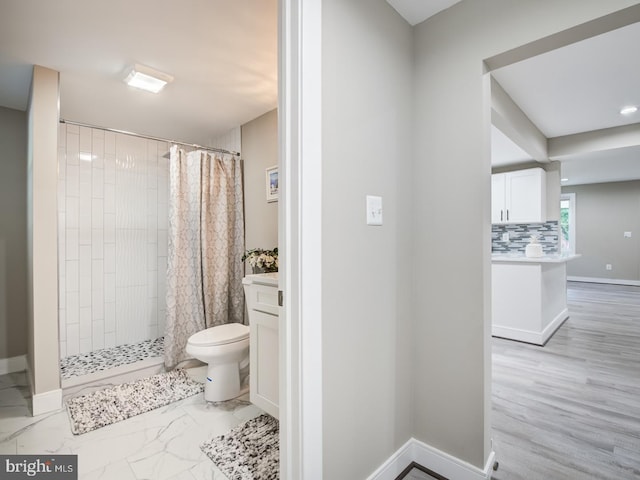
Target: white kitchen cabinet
x,y
519,197
261,292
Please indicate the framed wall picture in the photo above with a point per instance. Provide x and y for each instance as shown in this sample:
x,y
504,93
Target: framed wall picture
x,y
272,184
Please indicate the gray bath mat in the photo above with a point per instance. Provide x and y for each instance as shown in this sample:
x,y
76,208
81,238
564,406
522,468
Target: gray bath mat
x,y
248,452
104,407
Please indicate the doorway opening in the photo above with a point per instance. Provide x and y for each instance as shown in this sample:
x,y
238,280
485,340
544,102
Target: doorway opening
x,y
568,223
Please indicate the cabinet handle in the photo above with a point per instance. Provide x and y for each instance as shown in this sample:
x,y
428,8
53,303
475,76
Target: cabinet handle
x,y
507,214
501,214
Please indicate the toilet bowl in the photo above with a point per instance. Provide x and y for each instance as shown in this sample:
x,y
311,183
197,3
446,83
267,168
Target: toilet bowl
x,y
225,349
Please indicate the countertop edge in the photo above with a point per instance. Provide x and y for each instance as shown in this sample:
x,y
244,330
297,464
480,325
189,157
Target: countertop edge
x,y
543,259
270,279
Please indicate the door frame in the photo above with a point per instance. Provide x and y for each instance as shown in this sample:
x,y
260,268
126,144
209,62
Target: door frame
x,y
299,237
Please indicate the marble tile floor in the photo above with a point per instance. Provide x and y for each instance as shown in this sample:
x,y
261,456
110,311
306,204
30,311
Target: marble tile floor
x,y
161,444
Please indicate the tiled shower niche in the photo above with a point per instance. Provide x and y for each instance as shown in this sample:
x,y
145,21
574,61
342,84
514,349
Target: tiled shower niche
x,y
112,246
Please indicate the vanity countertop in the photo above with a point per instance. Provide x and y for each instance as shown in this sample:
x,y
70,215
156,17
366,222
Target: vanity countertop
x,y
270,278
520,258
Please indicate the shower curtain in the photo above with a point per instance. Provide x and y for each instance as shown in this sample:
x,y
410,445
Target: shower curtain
x,y
205,247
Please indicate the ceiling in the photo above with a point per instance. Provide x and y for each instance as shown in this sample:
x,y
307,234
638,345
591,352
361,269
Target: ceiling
x,y
417,11
580,88
222,55
575,89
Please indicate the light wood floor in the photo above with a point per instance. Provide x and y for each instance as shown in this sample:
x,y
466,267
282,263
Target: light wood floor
x,y
571,410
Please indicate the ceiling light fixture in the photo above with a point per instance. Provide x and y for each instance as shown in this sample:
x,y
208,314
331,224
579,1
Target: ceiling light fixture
x,y
628,110
146,78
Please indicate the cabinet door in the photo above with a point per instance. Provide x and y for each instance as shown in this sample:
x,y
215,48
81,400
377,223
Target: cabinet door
x,y
264,362
498,208
525,196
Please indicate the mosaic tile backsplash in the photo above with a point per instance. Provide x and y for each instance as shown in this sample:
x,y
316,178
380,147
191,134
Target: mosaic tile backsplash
x,y
520,234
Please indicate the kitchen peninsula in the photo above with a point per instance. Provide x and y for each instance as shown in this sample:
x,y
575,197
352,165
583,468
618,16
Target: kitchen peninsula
x,y
529,296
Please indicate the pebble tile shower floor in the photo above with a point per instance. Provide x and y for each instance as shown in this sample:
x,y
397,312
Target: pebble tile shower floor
x,y
106,358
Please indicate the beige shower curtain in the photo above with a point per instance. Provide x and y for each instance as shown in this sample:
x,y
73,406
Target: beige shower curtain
x,y
206,242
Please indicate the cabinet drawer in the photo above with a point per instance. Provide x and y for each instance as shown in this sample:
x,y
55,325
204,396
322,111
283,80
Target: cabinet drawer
x,y
264,299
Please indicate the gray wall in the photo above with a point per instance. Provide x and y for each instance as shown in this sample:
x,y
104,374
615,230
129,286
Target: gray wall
x,y
42,238
451,181
13,233
366,139
260,151
604,211
406,306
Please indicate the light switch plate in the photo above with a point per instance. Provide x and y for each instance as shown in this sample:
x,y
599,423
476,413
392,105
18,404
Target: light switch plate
x,y
627,234
374,210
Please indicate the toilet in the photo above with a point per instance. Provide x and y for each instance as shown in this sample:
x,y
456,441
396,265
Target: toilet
x,y
225,348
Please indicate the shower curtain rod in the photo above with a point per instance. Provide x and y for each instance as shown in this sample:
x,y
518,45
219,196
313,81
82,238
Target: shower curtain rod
x,y
148,137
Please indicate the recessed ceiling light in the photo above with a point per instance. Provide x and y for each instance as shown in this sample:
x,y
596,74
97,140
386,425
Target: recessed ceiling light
x,y
146,78
564,179
628,110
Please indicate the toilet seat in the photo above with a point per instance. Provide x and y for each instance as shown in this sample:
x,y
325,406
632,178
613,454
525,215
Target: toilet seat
x,y
220,335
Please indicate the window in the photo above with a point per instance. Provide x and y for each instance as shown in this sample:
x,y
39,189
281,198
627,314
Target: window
x,y
568,223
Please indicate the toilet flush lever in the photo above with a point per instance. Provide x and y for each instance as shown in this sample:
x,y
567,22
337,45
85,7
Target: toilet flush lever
x,y
280,298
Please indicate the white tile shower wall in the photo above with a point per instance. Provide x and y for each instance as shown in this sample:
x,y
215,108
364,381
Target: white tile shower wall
x,y
112,210
232,140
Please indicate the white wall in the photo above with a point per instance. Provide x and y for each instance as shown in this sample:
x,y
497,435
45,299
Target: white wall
x,y
366,150
13,233
232,140
42,278
112,213
259,152
451,175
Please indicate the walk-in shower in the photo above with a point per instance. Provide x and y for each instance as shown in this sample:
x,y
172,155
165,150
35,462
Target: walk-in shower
x,y
112,254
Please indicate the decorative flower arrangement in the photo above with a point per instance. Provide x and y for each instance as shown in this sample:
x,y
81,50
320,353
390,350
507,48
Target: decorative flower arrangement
x,y
262,260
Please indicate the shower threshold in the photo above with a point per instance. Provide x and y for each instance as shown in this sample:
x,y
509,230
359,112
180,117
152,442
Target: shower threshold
x,y
84,373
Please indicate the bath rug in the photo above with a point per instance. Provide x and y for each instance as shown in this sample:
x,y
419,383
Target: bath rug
x,y
248,452
114,404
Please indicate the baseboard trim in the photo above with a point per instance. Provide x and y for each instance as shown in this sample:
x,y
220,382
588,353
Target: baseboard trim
x,y
437,461
395,464
13,364
529,336
526,336
450,466
46,402
415,466
554,325
611,281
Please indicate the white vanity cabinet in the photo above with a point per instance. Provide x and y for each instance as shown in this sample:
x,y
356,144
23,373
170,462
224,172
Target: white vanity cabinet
x,y
519,197
261,293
